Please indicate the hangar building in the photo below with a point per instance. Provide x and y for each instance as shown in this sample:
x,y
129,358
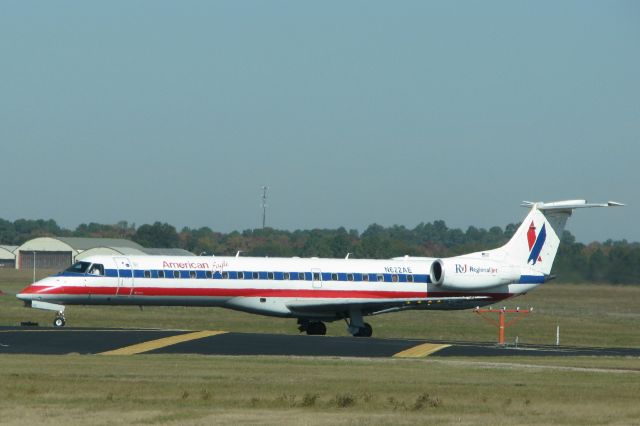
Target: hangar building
x,y
130,251
60,252
7,256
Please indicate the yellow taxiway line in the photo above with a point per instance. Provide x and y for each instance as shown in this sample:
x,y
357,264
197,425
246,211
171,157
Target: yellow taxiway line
x,y
420,351
161,343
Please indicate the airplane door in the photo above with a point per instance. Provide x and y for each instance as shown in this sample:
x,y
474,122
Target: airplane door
x,y
125,276
316,278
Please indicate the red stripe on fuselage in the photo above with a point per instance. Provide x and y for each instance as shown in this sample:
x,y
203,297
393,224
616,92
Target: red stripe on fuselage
x,y
247,292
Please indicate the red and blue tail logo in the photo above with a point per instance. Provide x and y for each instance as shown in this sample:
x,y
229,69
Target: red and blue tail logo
x,y
536,242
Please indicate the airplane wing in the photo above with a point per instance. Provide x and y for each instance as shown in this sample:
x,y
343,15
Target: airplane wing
x,y
378,306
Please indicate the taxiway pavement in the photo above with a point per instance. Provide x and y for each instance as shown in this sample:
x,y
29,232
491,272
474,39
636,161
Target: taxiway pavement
x,y
59,341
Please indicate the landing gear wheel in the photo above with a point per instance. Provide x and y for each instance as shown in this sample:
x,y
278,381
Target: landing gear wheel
x,y
312,328
303,325
59,322
316,328
368,330
365,331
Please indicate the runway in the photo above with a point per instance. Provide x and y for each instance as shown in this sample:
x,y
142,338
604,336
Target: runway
x,y
61,341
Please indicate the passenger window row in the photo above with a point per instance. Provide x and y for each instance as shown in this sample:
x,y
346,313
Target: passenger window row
x,y
287,276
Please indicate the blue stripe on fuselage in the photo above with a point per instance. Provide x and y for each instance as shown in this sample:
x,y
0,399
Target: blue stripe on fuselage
x,y
248,275
531,279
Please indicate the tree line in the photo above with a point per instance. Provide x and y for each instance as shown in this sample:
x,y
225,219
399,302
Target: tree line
x,y
616,262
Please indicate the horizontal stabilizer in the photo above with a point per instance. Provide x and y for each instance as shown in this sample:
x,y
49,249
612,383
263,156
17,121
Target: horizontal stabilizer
x,y
568,204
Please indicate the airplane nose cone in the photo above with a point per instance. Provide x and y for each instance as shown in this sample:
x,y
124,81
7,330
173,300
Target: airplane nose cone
x,y
27,298
26,294
27,301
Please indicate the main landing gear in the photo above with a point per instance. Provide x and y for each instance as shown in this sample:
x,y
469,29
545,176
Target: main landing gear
x,y
312,328
365,331
356,326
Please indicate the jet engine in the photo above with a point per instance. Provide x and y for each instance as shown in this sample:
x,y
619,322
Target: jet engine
x,y
461,273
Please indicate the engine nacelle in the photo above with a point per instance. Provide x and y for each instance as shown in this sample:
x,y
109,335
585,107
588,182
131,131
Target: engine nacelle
x,y
461,273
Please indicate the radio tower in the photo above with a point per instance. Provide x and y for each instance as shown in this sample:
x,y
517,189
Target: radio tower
x,y
264,206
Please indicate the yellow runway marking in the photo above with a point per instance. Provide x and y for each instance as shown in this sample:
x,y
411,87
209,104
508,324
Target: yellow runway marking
x,y
420,351
161,343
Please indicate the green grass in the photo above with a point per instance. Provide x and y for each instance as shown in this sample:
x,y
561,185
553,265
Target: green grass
x,y
200,390
164,389
588,315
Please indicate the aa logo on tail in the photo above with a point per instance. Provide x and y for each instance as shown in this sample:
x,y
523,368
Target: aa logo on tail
x,y
536,242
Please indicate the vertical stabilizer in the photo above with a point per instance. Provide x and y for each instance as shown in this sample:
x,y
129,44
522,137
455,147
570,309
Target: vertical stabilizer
x,y
535,243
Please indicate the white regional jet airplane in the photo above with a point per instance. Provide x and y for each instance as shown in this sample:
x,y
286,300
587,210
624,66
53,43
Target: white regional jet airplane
x,y
316,290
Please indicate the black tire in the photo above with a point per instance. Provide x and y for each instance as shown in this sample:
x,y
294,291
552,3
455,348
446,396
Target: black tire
x,y
365,331
59,322
322,329
368,330
316,328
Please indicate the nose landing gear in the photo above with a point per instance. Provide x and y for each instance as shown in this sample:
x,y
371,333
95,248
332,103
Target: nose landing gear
x,y
59,320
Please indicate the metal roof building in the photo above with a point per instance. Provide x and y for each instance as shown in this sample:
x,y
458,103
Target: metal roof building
x,y
109,251
61,252
125,251
167,251
7,256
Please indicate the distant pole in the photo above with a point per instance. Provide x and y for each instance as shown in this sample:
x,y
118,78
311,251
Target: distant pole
x,y
558,335
34,266
501,327
264,206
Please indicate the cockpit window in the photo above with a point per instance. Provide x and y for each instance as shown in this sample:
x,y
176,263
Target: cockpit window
x,y
96,269
78,267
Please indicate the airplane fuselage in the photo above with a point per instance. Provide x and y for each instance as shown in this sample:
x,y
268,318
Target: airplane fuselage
x,y
268,286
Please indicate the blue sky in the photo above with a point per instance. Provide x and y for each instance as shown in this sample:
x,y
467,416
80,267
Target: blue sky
x,y
352,112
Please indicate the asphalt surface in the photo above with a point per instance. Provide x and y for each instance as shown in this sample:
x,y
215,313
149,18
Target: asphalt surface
x,y
59,341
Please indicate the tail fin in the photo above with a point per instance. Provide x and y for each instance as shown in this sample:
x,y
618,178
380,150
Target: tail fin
x,y
535,243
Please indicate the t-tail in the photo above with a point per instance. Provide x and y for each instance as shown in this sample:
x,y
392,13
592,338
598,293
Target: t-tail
x,y
526,259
